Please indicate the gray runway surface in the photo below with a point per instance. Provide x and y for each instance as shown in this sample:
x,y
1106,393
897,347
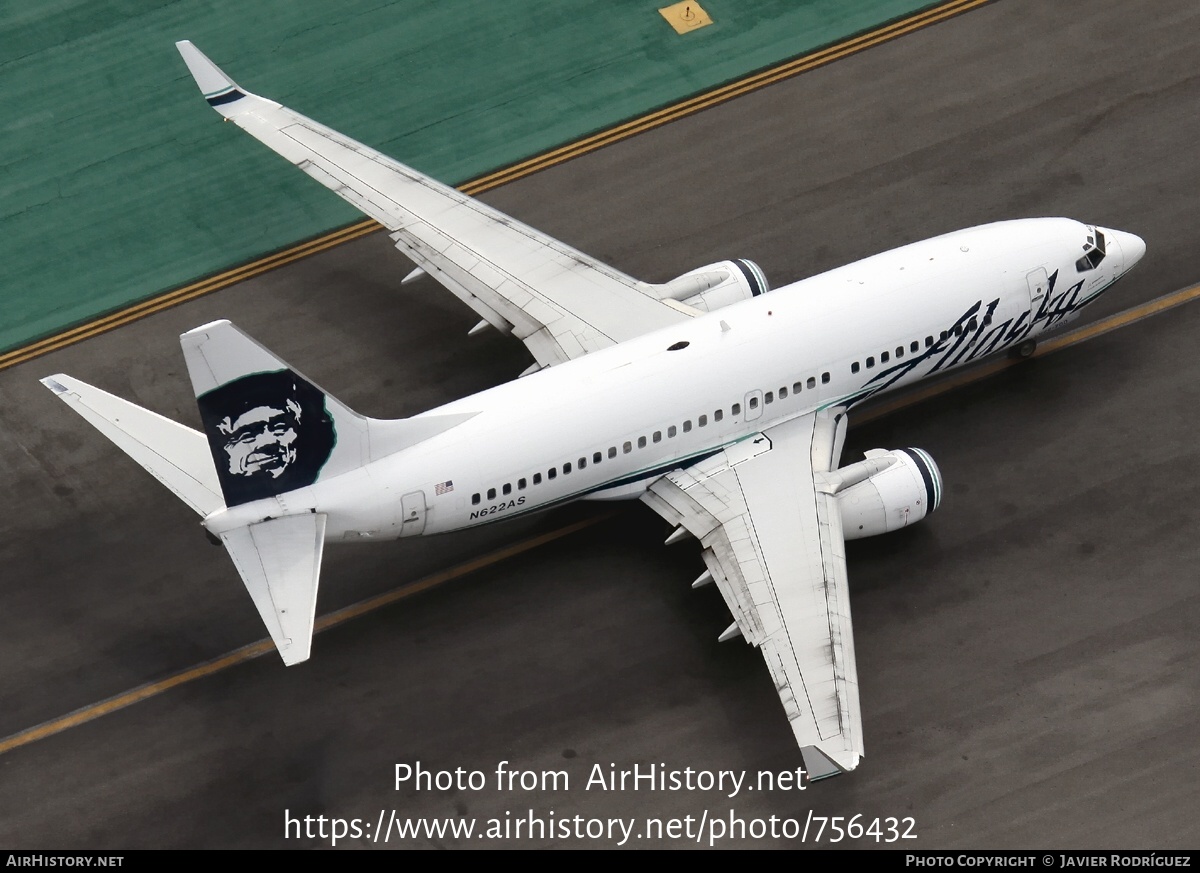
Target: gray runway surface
x,y
1028,662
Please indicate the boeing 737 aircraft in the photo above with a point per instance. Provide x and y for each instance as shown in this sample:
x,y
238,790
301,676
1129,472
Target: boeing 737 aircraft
x,y
722,405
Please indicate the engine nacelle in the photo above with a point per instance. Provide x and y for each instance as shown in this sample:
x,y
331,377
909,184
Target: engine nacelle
x,y
716,285
902,493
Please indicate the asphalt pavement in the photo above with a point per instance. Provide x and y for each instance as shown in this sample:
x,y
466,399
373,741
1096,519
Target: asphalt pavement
x,y
1027,656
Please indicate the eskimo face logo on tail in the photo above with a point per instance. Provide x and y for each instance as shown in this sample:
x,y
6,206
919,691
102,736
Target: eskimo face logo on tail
x,y
269,433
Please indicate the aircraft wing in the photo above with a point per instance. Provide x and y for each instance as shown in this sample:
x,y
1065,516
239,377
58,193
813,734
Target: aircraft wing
x,y
772,538
561,303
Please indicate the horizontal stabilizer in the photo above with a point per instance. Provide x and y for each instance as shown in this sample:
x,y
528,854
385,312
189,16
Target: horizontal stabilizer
x,y
175,455
280,562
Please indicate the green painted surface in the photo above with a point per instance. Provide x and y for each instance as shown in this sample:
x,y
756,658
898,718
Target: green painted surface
x,y
117,181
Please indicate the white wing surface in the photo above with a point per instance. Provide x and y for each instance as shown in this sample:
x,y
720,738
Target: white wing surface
x,y
773,543
280,562
558,301
175,455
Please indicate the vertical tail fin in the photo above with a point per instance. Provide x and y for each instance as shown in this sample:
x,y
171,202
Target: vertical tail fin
x,y
271,430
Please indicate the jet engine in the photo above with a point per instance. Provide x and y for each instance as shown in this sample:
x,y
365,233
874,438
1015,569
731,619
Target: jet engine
x,y
716,285
903,486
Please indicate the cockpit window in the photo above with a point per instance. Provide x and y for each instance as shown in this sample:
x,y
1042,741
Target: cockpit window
x,y
1093,253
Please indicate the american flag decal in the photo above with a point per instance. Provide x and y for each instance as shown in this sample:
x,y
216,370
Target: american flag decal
x,y
443,487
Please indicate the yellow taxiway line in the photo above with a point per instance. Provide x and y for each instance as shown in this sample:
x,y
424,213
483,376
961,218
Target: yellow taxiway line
x,y
262,647
660,117
361,228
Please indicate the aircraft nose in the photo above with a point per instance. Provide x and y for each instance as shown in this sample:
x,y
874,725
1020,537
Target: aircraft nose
x,y
1132,247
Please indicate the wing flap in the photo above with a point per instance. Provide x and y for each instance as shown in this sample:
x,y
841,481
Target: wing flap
x,y
774,546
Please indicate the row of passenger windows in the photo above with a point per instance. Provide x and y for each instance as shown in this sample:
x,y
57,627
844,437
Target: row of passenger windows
x,y
810,383
915,346
657,437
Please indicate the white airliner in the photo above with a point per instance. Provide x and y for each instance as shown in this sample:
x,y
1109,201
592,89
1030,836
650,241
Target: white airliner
x,y
720,405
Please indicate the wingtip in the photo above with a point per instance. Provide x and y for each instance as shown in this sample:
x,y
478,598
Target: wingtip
x,y
294,654
204,329
820,764
217,88
54,383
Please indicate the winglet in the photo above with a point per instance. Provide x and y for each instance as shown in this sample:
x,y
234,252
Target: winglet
x,y
217,88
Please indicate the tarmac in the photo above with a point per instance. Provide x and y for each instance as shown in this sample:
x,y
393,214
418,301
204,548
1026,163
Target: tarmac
x,y
1027,656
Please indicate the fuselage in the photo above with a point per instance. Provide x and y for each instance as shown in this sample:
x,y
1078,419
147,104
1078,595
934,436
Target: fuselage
x,y
607,424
